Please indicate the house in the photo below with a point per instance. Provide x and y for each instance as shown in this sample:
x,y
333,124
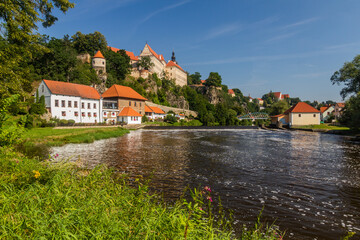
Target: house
x,y
175,72
279,96
278,118
129,116
180,116
149,112
302,114
326,112
71,101
338,108
158,113
260,101
231,93
116,98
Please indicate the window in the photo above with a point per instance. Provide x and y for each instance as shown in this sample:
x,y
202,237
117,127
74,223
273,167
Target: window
x,y
314,115
135,104
69,104
105,113
94,114
89,105
63,113
94,106
75,104
83,114
42,88
129,103
56,103
140,112
89,114
328,113
76,114
62,103
299,115
112,114
103,62
93,61
82,105
140,104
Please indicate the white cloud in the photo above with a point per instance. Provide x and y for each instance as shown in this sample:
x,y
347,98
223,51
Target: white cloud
x,y
302,22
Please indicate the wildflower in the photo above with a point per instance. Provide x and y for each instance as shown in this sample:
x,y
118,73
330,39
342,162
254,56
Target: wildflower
x,y
207,189
37,174
200,209
210,199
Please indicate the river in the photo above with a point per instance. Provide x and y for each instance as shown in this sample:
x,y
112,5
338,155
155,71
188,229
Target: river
x,y
308,183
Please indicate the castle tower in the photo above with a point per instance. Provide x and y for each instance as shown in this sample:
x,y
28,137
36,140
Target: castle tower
x,y
173,57
99,63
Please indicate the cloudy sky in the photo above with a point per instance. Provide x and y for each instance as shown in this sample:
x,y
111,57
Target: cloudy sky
x,y
255,45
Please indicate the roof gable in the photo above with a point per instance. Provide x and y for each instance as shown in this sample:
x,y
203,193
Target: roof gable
x,y
157,110
130,54
302,107
71,89
230,91
122,92
173,64
129,112
148,109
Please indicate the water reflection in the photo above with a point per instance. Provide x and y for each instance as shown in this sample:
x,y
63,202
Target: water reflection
x,y
308,182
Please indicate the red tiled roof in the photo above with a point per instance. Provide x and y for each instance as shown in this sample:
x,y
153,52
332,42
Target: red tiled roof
x,y
122,92
277,94
302,107
323,109
203,81
230,91
130,54
160,57
72,89
172,64
341,105
157,110
129,112
148,109
285,96
260,99
98,54
279,115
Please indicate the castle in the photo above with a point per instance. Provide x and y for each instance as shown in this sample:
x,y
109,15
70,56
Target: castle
x,y
169,69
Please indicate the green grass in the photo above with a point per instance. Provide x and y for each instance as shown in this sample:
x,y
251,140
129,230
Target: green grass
x,y
325,127
58,137
47,200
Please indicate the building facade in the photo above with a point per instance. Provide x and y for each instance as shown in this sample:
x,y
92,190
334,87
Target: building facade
x,y
71,101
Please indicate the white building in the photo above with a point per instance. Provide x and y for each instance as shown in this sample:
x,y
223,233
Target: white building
x,y
71,101
129,116
326,112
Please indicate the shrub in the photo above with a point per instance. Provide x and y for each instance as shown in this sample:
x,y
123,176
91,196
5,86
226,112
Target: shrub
x,y
63,122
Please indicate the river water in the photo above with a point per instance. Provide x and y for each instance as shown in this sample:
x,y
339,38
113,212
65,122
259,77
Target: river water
x,y
308,183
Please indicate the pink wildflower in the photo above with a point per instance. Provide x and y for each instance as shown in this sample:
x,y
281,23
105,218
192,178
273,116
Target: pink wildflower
x,y
209,198
200,209
207,189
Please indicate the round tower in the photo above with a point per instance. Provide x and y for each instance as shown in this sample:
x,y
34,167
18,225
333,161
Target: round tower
x,y
99,63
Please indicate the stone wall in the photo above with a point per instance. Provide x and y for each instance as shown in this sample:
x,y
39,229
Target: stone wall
x,y
175,110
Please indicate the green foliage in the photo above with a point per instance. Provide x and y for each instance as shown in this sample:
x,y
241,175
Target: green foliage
x,y
170,119
145,63
38,107
89,43
351,114
117,64
214,79
349,75
279,107
194,78
144,119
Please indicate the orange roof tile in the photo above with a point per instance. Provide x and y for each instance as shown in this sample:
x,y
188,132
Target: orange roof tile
x,y
260,99
129,112
155,54
172,64
323,109
341,105
98,54
277,94
279,115
72,89
148,109
230,91
285,96
203,81
130,54
302,107
157,110
122,92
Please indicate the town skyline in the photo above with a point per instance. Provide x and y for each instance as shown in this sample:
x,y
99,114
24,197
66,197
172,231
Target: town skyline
x,y
256,47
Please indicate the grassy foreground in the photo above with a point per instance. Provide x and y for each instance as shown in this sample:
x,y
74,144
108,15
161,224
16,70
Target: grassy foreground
x,y
58,137
325,127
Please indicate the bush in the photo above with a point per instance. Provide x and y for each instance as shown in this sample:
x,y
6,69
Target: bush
x,y
144,119
63,122
170,119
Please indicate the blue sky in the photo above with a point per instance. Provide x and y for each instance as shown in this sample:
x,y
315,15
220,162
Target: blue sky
x,y
292,46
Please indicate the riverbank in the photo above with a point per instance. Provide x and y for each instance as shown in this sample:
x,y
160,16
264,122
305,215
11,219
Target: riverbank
x,y
45,199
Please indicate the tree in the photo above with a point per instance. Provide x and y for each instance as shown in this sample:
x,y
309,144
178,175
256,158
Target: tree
x,y
19,41
351,114
349,75
194,78
89,43
279,107
145,63
214,79
117,64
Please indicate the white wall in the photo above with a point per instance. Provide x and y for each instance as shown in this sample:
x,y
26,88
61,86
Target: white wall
x,y
130,120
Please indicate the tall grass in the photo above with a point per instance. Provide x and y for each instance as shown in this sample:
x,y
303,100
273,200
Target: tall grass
x,y
43,201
